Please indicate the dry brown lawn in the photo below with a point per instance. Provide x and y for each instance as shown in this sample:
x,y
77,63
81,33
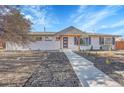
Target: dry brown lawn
x,y
110,62
17,67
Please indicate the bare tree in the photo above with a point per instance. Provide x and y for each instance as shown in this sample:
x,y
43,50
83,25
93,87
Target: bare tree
x,y
14,27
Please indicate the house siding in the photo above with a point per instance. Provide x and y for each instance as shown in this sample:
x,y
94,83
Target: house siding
x,y
47,41
55,45
38,45
95,43
71,43
74,47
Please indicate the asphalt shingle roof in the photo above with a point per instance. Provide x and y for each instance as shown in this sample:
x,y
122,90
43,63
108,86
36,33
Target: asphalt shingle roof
x,y
99,34
70,30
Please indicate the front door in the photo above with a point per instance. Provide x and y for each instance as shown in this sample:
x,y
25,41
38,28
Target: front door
x,y
65,42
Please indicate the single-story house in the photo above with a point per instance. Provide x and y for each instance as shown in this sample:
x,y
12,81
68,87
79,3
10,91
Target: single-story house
x,y
68,38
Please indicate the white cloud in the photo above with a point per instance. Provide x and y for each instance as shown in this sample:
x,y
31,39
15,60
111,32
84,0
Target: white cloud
x,y
32,12
118,24
39,15
79,14
95,18
119,32
88,19
112,25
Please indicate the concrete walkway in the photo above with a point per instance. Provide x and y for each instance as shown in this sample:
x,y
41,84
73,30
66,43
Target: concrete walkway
x,y
87,73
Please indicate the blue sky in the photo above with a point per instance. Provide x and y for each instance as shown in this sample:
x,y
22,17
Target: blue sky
x,y
99,19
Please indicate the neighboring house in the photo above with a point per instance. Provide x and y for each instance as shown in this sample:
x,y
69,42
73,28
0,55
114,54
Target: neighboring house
x,y
69,38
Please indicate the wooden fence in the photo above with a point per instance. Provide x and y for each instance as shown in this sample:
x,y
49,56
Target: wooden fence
x,y
119,45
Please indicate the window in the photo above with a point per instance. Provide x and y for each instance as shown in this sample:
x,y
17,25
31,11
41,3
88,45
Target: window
x,y
38,38
75,41
108,41
48,38
86,41
83,41
89,40
101,40
57,38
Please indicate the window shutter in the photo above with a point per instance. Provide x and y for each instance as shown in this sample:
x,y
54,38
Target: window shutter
x,y
89,40
100,40
113,40
75,40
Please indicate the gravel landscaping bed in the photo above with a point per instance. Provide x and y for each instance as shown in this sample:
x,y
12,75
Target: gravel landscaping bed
x,y
55,71
114,69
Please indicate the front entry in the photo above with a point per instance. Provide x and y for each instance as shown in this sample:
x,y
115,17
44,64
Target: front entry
x,y
65,42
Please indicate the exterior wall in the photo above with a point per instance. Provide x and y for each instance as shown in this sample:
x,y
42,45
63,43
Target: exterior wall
x,y
75,47
38,45
55,45
113,47
45,45
71,44
85,47
95,43
13,46
108,47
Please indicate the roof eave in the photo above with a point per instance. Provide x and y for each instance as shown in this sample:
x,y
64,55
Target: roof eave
x,y
107,35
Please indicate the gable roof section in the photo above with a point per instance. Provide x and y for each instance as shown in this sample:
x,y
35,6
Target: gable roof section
x,y
70,31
